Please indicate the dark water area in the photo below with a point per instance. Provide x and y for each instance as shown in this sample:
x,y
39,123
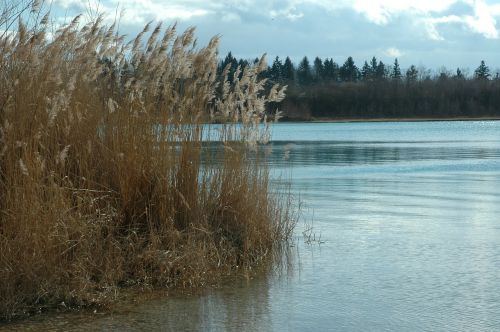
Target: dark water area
x,y
409,219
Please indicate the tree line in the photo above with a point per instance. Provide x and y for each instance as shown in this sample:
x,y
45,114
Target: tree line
x,y
325,89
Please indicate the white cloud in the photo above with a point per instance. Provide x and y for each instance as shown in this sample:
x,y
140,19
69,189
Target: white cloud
x,y
138,12
71,4
290,13
382,11
145,10
231,17
430,25
294,16
394,52
425,12
430,29
483,21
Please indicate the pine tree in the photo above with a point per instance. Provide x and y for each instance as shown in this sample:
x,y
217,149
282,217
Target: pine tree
x,y
380,73
233,64
331,70
396,71
373,64
304,74
276,70
318,69
349,72
288,70
243,63
366,72
482,72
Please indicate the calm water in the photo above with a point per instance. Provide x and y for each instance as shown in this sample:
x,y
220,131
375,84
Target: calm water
x,y
410,218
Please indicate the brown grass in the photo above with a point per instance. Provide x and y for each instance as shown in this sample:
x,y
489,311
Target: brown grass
x,y
106,178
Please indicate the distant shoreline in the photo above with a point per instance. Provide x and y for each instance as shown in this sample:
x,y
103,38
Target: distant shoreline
x,y
343,120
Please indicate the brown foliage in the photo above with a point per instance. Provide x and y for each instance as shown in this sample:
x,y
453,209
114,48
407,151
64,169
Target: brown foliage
x,y
109,173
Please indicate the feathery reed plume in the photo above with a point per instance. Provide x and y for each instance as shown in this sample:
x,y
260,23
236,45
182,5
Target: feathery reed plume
x,y
111,174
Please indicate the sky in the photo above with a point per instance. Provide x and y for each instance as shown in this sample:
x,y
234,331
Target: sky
x,y
430,33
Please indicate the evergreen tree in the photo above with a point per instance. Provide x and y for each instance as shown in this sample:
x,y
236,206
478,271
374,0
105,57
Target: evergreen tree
x,y
243,63
349,72
288,70
276,70
366,72
411,74
233,64
331,70
304,74
396,71
318,69
482,72
373,64
380,72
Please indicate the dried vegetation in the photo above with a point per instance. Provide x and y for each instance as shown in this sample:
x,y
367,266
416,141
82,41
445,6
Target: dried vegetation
x,y
111,176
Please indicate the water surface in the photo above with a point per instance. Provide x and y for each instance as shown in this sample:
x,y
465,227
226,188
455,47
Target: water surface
x,y
409,219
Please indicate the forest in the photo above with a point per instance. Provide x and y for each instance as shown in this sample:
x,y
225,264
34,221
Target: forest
x,y
325,90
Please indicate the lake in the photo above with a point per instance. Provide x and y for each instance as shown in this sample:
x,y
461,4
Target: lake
x,y
408,217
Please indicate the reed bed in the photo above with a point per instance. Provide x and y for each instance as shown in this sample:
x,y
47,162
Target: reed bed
x,y
105,179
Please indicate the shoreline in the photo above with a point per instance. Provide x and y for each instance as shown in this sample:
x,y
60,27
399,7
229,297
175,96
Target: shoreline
x,y
347,120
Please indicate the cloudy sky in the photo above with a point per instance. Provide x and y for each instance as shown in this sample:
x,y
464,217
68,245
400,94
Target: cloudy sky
x,y
433,33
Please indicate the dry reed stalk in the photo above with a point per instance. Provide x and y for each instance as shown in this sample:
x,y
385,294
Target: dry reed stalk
x,y
105,179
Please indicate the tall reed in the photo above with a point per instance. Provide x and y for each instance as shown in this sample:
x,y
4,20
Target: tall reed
x,y
110,173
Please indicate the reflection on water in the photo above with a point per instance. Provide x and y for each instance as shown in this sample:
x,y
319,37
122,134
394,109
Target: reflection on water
x,y
241,305
410,216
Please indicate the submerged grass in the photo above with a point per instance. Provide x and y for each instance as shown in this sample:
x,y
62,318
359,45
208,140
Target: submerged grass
x,y
102,182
